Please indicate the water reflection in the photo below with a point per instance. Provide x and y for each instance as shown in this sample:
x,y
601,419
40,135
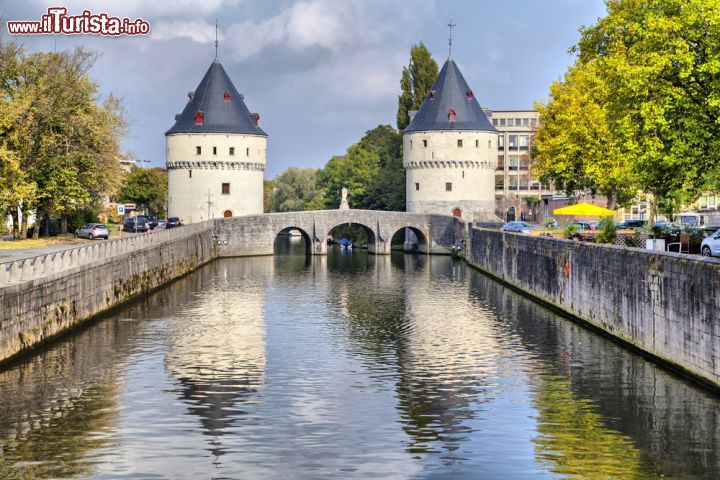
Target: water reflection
x,y
217,347
403,366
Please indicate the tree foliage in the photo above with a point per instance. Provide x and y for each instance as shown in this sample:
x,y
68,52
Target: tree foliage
x,y
295,190
653,67
147,188
416,80
53,131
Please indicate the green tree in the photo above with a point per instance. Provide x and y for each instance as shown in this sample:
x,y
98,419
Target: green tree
x,y
65,143
661,61
147,187
576,147
295,190
416,80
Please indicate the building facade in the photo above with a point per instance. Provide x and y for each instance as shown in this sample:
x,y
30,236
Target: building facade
x,y
514,182
450,152
216,153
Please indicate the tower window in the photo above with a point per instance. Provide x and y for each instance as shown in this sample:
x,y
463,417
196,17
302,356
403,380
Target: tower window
x,y
489,143
448,186
410,143
452,115
247,152
425,143
214,150
417,186
198,150
459,142
431,95
198,118
226,189
469,94
189,173
232,151
477,143
227,97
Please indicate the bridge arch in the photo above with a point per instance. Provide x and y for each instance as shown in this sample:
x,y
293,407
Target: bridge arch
x,y
413,238
371,240
289,232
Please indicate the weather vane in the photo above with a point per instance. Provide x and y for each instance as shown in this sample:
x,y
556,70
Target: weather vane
x,y
450,27
216,40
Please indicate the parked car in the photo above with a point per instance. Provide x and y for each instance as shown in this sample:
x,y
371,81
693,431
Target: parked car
x,y
173,222
710,247
517,226
585,225
151,221
93,231
632,224
136,224
161,222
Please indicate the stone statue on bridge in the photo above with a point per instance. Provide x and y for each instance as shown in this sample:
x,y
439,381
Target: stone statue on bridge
x,y
343,199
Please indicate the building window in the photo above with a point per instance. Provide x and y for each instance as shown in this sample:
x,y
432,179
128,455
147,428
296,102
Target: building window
x,y
227,214
495,122
523,142
417,186
513,162
502,122
247,152
226,189
410,143
499,182
533,122
198,118
214,150
477,143
459,142
227,97
424,143
526,122
518,122
457,212
509,122
232,151
501,162
448,186
513,142
489,144
198,150
452,115
501,142
189,173
463,173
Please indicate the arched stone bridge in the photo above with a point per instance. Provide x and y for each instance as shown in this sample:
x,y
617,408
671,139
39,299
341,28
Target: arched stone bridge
x,y
255,234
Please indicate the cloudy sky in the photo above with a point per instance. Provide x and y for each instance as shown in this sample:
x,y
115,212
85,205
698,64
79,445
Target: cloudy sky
x,y
319,72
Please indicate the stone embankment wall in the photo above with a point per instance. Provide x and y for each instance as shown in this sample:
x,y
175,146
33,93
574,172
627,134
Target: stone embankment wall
x,y
44,296
667,305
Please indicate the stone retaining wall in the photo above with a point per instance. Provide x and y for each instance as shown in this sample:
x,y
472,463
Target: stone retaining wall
x,y
667,305
46,295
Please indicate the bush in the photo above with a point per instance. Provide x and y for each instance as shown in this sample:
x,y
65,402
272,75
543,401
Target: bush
x,y
571,230
550,222
608,231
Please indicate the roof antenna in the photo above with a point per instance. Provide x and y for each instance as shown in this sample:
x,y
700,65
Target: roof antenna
x,y
216,40
450,27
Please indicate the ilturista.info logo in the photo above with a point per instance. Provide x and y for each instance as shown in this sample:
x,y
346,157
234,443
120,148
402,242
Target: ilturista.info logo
x,y
57,22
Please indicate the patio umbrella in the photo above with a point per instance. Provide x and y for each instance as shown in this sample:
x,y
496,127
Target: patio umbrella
x,y
584,210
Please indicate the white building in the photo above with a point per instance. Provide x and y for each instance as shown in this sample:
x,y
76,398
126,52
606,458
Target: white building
x,y
450,152
216,153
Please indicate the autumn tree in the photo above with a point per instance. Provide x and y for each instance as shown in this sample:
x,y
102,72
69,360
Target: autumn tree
x,y
416,80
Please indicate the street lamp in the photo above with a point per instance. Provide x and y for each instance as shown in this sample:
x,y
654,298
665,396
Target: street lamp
x,y
141,162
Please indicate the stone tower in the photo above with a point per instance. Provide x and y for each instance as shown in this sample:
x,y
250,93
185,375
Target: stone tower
x,y
450,152
215,153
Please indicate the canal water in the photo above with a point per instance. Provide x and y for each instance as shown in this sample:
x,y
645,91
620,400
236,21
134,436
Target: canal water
x,y
347,366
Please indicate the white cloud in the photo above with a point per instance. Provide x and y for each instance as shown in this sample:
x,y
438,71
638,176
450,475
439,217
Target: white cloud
x,y
198,30
143,8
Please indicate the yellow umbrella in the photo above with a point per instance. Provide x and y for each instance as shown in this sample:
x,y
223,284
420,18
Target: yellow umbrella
x,y
584,210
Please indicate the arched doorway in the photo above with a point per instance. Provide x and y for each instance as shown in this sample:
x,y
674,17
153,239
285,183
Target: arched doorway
x,y
510,217
409,239
227,213
457,212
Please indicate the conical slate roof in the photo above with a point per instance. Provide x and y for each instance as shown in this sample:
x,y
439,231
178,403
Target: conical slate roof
x,y
221,106
450,92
